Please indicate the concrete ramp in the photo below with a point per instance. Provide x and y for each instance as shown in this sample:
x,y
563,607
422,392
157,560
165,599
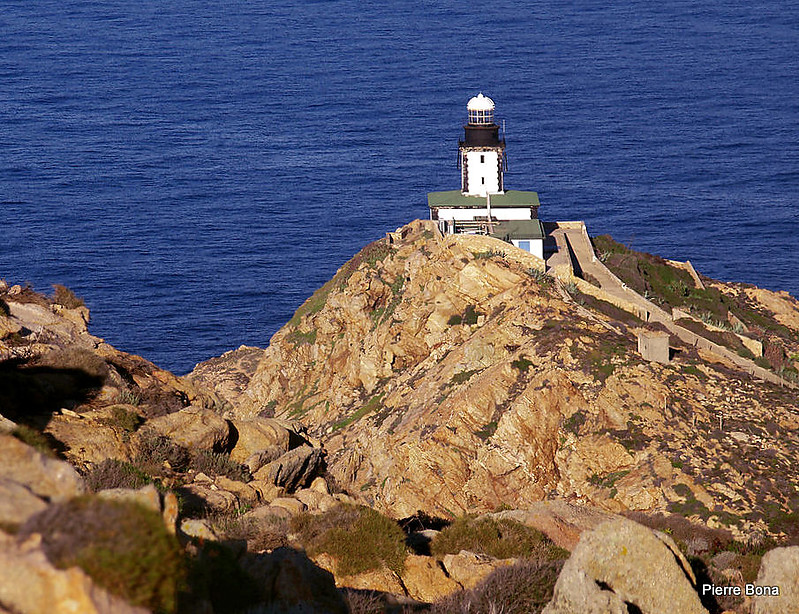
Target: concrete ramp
x,y
580,260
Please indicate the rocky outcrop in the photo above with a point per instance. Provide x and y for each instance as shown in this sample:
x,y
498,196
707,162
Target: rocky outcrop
x,y
488,385
560,521
268,439
469,569
230,373
620,565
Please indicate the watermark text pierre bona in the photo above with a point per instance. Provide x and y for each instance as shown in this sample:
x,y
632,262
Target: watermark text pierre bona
x,y
749,590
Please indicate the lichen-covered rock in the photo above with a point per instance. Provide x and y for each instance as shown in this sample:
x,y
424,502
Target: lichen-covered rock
x,y
17,503
622,563
469,569
780,568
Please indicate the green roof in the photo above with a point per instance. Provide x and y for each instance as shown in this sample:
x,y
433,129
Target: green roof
x,y
518,229
456,198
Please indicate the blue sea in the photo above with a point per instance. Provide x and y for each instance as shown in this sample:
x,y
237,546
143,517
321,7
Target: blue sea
x,y
196,169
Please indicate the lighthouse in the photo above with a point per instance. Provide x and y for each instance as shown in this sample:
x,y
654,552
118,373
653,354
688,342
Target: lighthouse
x,y
482,152
483,205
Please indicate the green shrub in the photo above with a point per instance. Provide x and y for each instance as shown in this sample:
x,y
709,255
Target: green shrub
x,y
124,547
359,538
66,297
521,364
499,538
113,473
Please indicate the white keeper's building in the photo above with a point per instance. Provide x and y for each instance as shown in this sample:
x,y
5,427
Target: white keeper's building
x,y
482,205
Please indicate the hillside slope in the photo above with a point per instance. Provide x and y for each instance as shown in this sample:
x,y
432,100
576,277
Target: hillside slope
x,y
448,374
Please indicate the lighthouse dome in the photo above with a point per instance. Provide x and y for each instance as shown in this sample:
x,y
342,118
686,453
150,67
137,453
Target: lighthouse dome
x,y
481,110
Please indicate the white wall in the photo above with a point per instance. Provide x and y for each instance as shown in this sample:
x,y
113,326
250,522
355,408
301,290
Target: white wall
x,y
504,213
536,246
483,176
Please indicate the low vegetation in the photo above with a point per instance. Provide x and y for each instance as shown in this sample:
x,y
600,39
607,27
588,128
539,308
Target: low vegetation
x,y
358,538
66,297
123,547
114,473
499,538
523,588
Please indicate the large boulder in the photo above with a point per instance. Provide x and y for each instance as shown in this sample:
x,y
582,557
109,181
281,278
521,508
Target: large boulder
x,y
29,584
293,470
622,563
44,476
780,568
259,435
195,428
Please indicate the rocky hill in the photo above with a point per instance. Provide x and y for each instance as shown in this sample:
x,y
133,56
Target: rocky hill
x,y
442,427
450,375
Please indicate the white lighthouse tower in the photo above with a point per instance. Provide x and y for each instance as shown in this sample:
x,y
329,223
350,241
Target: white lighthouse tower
x,y
482,152
482,205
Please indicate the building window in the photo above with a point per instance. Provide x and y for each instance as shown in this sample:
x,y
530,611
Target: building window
x,y
525,245
482,159
483,180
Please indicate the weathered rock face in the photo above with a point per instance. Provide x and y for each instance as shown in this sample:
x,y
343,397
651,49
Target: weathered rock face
x,y
445,376
780,568
621,563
